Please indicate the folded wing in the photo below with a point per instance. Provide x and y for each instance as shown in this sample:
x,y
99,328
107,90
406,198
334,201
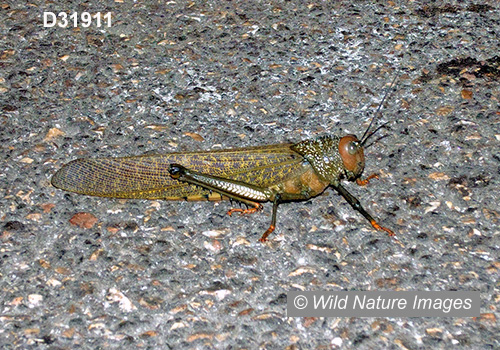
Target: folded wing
x,y
147,177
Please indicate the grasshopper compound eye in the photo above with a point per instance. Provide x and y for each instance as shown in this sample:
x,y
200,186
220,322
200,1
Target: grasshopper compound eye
x,y
352,155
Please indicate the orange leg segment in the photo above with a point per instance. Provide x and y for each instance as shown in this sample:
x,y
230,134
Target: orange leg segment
x,y
267,233
381,228
367,180
258,207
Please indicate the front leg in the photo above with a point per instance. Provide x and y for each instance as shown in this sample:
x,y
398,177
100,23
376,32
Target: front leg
x,y
353,201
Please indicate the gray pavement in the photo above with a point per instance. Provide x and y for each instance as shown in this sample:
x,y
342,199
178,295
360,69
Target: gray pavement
x,y
174,76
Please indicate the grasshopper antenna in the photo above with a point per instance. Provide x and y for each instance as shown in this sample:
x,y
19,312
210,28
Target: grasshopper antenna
x,y
377,140
374,132
367,134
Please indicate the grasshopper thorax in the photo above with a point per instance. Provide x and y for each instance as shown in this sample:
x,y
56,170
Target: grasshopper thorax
x,y
353,157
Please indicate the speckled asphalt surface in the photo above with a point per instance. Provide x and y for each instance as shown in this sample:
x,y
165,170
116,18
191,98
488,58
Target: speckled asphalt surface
x,y
175,76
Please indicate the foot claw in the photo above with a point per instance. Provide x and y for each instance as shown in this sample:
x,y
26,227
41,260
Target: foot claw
x,y
391,234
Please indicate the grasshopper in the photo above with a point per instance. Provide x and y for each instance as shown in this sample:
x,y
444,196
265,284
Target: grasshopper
x,y
253,175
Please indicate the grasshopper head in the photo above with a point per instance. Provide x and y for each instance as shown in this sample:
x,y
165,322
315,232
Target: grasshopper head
x,y
353,157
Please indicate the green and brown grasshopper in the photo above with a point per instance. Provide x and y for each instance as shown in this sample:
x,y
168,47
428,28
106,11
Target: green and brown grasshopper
x,y
277,173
